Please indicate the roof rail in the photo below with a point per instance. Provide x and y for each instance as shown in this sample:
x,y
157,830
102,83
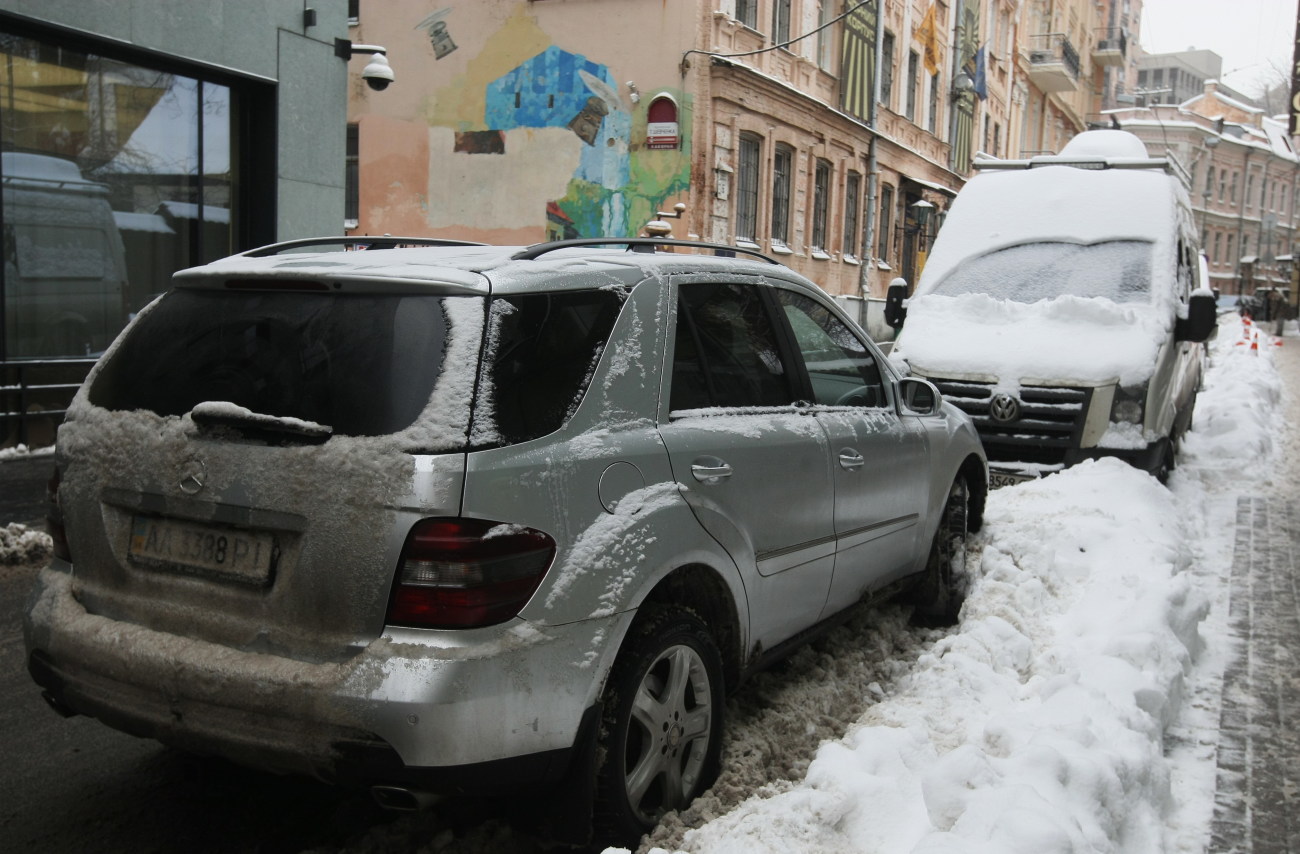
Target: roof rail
x,y
635,244
385,242
1165,164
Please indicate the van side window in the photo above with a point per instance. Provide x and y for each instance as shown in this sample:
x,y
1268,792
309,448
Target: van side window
x,y
1183,286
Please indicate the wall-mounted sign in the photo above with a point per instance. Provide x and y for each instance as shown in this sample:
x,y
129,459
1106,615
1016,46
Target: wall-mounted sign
x,y
661,130
661,135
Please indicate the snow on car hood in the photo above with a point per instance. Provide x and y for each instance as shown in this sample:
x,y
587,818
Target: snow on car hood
x,y
1079,340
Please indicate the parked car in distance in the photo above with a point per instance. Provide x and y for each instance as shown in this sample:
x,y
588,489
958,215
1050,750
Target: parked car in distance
x,y
464,518
1064,307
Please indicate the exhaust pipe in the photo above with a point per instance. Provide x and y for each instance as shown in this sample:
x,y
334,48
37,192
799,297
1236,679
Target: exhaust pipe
x,y
58,705
403,799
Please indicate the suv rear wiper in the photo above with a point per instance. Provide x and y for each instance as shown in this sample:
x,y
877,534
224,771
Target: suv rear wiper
x,y
222,413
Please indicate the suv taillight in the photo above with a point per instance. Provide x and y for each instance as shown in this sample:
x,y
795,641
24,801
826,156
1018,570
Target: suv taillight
x,y
54,517
467,573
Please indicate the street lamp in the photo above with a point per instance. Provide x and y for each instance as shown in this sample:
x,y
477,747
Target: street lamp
x,y
921,211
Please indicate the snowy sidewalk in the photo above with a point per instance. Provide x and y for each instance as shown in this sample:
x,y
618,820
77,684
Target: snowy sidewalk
x,y
1257,798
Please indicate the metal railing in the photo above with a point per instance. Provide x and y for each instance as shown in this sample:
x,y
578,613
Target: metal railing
x,y
1052,48
1113,38
34,397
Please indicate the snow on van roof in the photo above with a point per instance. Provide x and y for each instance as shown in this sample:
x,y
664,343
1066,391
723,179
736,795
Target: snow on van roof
x,y
1057,203
1105,143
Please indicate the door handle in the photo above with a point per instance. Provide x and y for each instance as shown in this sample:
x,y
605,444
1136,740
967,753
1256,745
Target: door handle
x,y
851,460
711,472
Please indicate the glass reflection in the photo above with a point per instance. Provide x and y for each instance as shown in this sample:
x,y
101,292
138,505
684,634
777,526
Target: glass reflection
x,y
115,176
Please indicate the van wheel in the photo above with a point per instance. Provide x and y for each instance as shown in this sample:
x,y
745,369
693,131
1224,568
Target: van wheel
x,y
939,595
1165,461
661,734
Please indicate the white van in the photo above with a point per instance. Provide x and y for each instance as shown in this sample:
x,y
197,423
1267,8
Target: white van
x,y
1063,308
64,263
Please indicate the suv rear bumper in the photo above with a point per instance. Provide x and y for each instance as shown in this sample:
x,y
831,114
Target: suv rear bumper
x,y
398,712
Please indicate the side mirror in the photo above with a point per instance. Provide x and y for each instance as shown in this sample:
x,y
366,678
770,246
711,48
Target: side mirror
x,y
919,397
1202,316
895,311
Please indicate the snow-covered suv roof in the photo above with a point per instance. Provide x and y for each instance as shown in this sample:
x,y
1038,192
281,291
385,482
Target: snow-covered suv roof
x,y
445,266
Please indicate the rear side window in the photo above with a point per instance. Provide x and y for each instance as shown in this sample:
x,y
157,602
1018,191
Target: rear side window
x,y
540,355
726,352
365,365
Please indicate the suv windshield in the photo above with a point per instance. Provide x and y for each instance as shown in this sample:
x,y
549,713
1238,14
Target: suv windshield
x,y
1118,270
363,365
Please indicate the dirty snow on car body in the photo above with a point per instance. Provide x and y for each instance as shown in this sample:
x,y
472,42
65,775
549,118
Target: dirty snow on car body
x,y
1052,718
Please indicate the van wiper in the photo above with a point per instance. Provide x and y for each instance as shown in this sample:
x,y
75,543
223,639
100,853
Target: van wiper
x,y
258,425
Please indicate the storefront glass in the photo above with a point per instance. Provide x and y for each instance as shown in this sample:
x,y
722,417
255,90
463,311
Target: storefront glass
x,y
115,175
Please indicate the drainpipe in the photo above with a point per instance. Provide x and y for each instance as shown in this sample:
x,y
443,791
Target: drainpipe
x,y
958,32
873,168
1241,218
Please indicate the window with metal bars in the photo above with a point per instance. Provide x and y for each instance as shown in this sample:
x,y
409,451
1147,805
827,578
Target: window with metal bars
x,y
821,202
782,170
852,190
747,188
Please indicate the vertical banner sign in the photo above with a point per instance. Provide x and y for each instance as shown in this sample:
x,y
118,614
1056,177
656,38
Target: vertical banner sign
x,y
1295,80
858,61
963,129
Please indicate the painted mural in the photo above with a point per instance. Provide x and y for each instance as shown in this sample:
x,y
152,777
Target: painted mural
x,y
553,128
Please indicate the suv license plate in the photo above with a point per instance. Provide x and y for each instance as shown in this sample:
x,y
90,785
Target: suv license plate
x,y
243,556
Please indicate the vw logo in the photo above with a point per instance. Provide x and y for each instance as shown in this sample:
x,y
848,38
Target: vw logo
x,y
1004,408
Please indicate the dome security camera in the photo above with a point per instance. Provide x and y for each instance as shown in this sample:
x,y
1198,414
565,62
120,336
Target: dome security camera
x,y
377,73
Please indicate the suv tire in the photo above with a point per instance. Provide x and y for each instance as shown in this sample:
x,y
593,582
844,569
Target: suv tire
x,y
939,595
661,735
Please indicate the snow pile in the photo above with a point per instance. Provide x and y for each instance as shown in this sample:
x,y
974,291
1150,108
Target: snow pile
x,y
1037,726
1235,410
21,546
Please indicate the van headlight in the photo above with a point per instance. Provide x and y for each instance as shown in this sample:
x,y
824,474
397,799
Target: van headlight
x,y
1127,407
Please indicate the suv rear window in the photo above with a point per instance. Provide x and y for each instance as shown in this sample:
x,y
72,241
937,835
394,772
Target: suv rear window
x,y
365,365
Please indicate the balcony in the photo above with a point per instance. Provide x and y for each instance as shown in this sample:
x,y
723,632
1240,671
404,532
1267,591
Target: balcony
x,y
1053,63
1111,48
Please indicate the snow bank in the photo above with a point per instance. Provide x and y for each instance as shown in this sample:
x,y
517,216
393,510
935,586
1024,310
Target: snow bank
x,y
1037,726
1235,411
21,546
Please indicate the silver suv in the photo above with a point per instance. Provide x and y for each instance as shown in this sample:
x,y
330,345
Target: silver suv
x,y
435,518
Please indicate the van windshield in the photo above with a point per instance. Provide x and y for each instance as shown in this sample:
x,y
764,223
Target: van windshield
x,y
1118,270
